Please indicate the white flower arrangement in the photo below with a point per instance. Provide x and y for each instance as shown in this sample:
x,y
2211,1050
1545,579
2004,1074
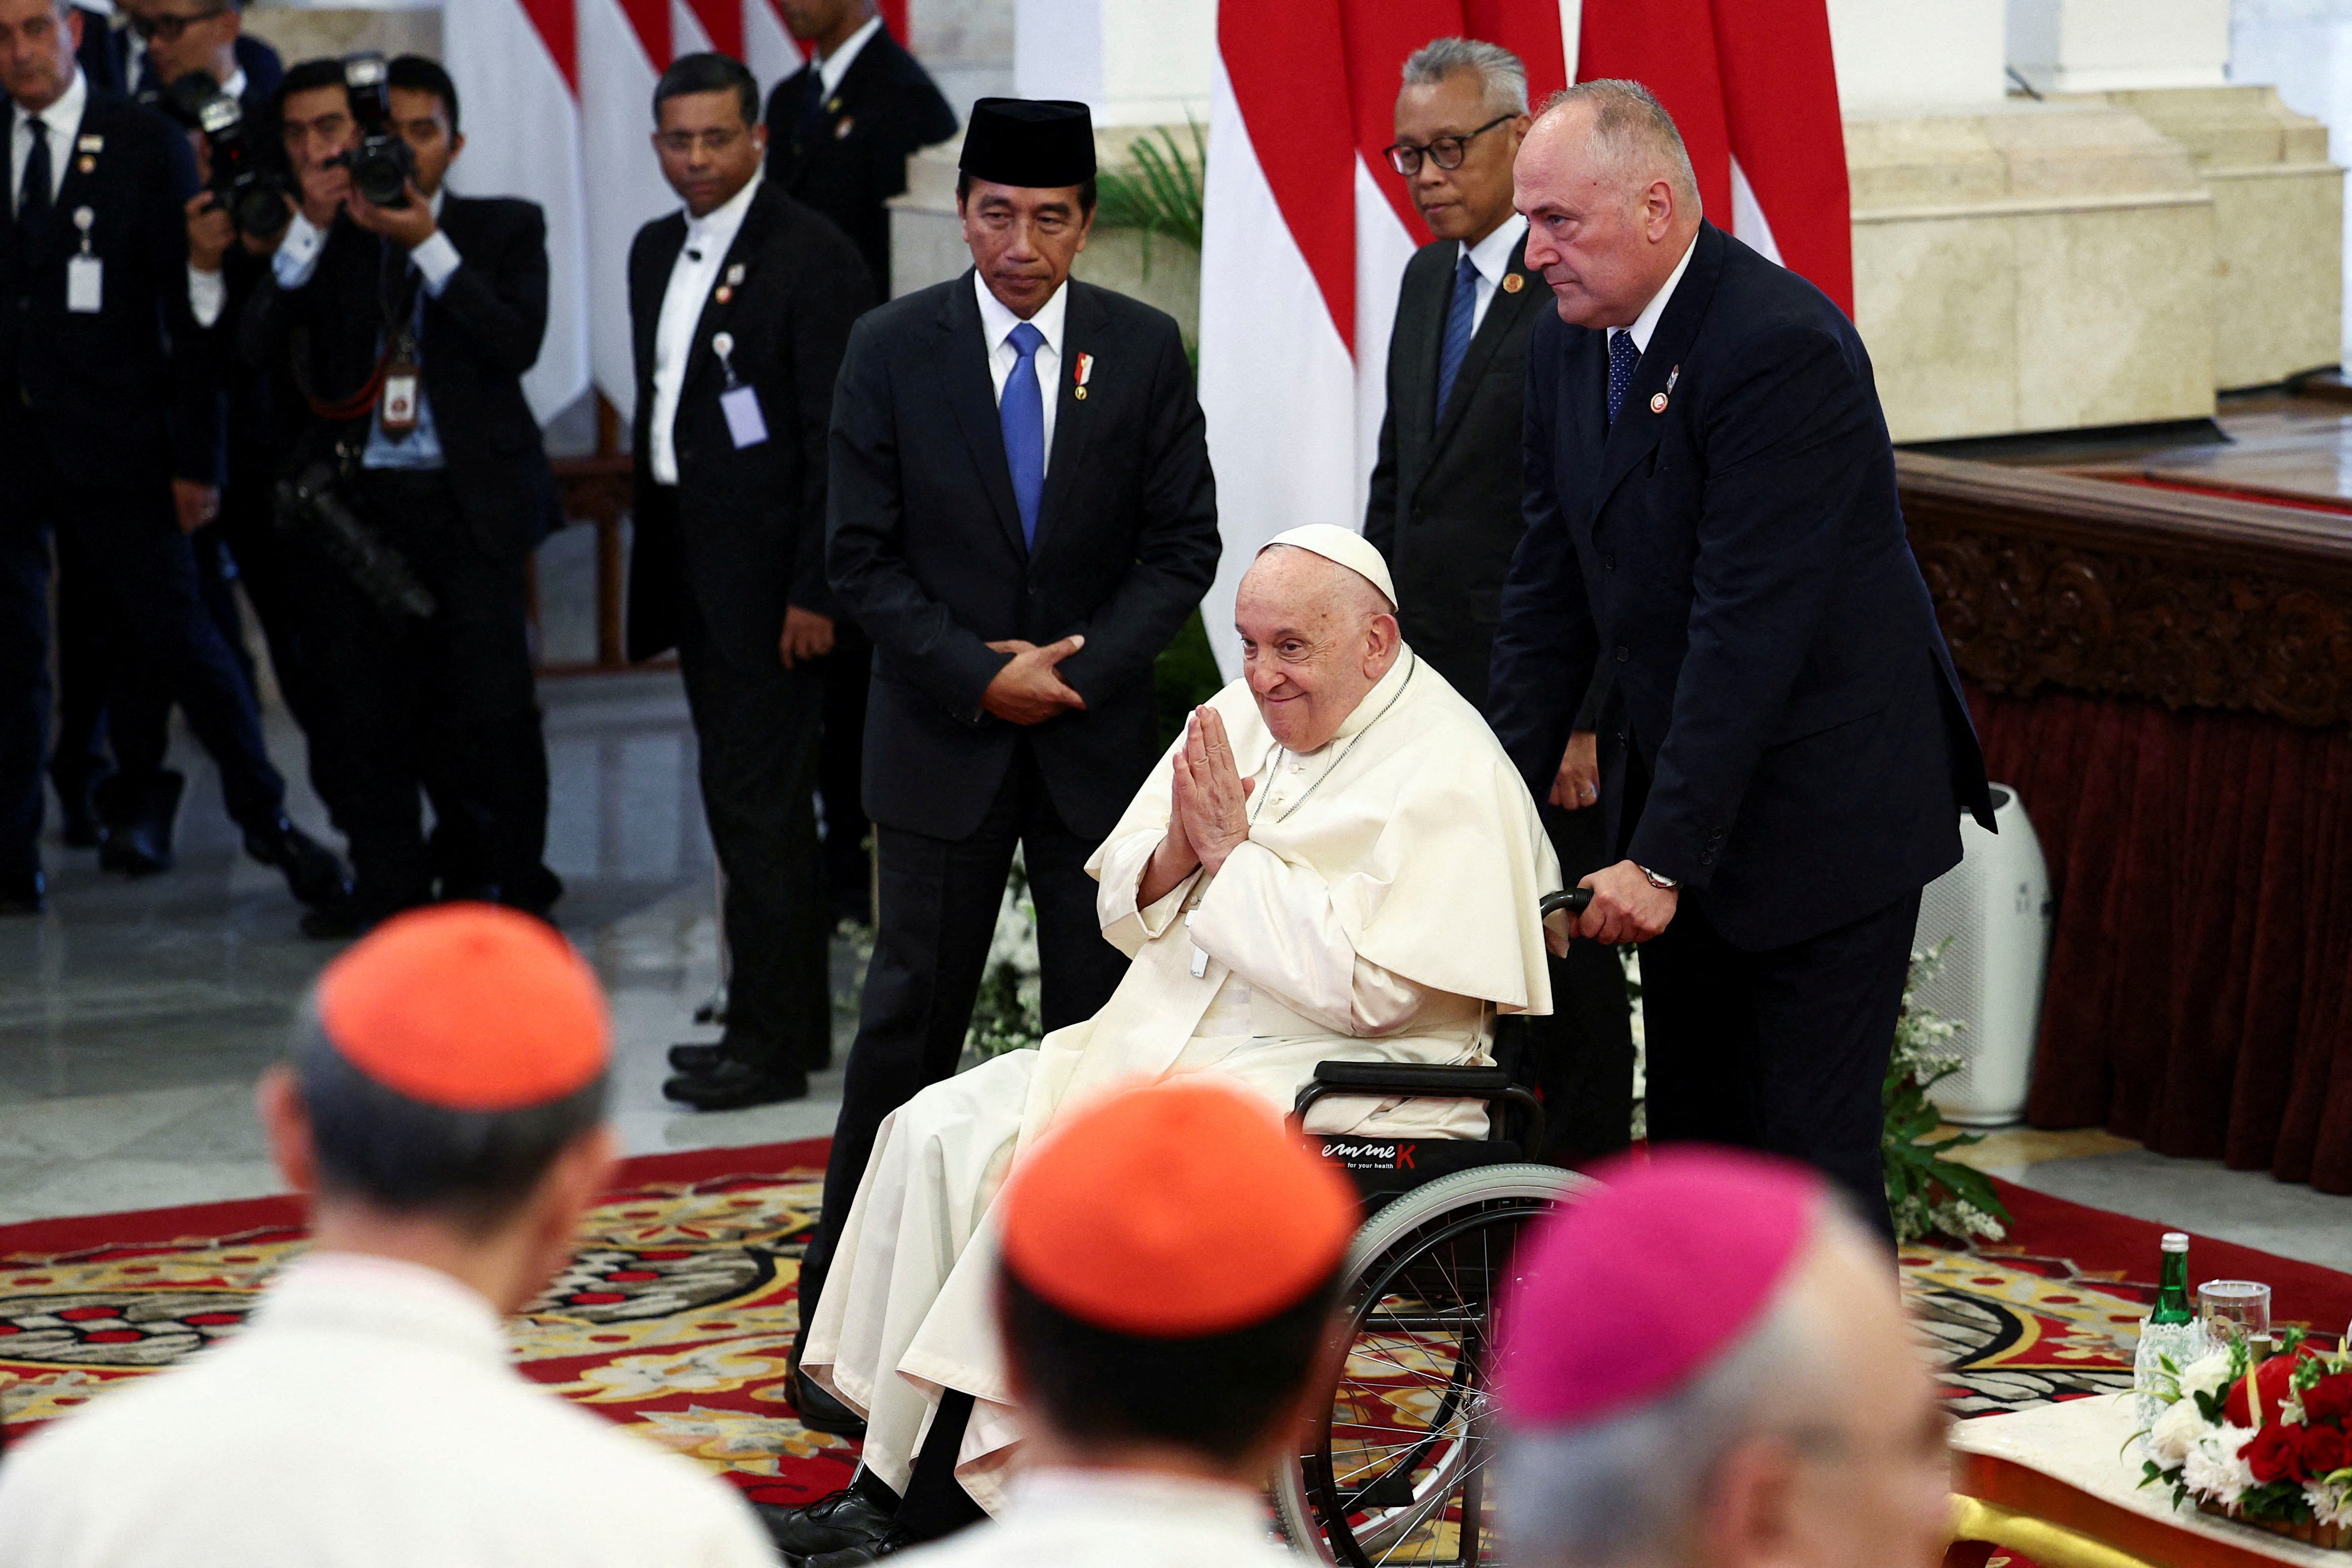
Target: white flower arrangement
x,y
2265,1442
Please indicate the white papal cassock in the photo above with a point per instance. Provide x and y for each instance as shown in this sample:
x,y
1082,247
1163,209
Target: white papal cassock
x,y
1383,909
366,1416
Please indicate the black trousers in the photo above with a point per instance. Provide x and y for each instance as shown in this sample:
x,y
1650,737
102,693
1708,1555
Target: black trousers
x,y
1581,1054
758,731
846,671
280,576
446,703
127,564
1782,1050
940,899
24,691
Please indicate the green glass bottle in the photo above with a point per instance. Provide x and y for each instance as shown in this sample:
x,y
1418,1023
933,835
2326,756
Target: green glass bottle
x,y
2172,1304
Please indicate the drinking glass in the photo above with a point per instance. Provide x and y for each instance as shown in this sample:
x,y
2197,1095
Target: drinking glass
x,y
2232,1309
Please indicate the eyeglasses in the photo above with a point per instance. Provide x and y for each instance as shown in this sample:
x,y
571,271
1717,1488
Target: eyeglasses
x,y
681,143
1445,152
167,28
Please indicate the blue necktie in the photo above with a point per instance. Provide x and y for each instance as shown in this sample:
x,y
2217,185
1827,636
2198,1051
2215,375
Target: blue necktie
x,y
1459,317
1022,413
1622,357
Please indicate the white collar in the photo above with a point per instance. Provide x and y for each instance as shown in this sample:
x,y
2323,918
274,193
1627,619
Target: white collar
x,y
64,114
997,319
1130,1495
386,1297
835,65
1647,322
235,84
717,228
1493,256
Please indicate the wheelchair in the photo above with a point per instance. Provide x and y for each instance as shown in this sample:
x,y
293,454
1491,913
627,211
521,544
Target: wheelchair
x,y
1396,1470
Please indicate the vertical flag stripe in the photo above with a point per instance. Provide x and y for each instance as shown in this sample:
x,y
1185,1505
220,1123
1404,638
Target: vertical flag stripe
x,y
649,19
1781,103
558,25
722,24
1287,65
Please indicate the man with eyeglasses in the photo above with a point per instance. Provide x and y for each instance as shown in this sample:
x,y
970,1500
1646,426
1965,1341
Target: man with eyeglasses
x,y
1444,510
407,329
142,46
742,305
1707,1362
109,439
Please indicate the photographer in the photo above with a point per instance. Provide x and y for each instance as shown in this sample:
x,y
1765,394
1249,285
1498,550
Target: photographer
x,y
406,318
109,436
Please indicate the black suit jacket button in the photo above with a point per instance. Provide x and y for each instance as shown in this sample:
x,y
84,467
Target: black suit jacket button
x,y
1624,653
1609,561
1707,857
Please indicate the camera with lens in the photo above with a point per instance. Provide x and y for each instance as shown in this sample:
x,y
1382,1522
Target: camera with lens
x,y
249,188
381,165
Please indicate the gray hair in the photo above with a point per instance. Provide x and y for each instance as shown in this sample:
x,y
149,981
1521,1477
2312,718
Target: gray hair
x,y
1633,128
1625,1492
1500,72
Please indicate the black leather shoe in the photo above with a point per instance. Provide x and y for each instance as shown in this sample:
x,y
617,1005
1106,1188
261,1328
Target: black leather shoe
x,y
24,894
818,1410
889,1544
835,1521
698,1059
139,818
313,873
734,1084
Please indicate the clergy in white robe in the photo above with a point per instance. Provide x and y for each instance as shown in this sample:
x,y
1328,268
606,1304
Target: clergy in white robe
x,y
1364,871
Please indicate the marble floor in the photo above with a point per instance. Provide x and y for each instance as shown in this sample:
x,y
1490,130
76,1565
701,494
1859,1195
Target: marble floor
x,y
134,1016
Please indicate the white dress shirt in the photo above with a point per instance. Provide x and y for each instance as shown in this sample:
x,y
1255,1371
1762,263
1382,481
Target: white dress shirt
x,y
1492,257
1117,1519
1647,322
996,324
61,123
691,279
835,65
366,1416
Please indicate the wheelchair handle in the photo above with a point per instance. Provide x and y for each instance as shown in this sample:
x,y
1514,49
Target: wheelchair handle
x,y
1572,899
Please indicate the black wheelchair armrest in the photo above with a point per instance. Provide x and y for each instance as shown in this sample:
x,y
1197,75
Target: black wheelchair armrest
x,y
1407,1080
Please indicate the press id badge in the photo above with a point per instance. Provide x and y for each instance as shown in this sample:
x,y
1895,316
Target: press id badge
x,y
398,413
85,285
741,406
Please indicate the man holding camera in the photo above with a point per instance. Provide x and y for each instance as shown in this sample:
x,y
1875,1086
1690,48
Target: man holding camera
x,y
108,435
406,317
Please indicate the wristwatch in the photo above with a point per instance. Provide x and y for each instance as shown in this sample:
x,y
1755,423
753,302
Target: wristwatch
x,y
1657,880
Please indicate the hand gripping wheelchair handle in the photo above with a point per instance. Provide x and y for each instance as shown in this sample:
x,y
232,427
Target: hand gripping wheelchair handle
x,y
1572,899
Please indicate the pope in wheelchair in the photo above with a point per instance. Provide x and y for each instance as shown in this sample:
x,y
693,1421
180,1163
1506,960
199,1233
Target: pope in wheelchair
x,y
1335,861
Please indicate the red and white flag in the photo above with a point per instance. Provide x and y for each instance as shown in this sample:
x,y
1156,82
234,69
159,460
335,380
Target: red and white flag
x,y
1307,230
515,64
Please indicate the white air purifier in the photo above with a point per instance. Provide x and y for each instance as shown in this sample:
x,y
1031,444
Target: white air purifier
x,y
1992,915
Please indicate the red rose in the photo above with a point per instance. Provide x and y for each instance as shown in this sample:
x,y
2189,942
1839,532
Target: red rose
x,y
2329,1400
2271,1378
2324,1450
2274,1454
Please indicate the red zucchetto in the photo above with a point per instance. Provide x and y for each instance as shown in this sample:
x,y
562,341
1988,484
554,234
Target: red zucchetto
x,y
1175,1212
467,1007
1632,1289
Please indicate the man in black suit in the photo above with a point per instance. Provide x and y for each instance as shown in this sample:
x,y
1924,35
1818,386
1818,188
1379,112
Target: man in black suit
x,y
409,328
142,46
742,305
1445,506
1022,517
840,130
1784,753
108,433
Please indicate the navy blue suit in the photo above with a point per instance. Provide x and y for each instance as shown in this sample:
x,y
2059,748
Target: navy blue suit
x,y
1783,730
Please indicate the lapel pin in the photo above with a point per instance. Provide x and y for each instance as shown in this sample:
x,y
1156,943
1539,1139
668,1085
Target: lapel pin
x,y
735,273
724,294
1673,376
1085,369
843,126
722,344
1658,404
86,165
1513,282
833,104
91,144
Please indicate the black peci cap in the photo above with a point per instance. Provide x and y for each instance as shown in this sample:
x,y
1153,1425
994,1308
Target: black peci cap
x,y
1039,142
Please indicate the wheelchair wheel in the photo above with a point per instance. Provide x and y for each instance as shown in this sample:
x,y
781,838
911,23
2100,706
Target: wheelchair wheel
x,y
1395,1472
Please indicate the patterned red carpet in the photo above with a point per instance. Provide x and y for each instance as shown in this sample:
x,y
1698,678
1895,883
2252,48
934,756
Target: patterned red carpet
x,y
676,1318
